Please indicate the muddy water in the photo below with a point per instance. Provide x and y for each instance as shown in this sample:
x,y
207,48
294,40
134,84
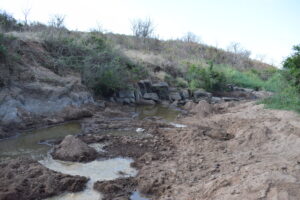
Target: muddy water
x,y
164,112
97,170
29,143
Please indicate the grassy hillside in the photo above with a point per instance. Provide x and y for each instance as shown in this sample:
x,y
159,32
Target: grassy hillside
x,y
110,62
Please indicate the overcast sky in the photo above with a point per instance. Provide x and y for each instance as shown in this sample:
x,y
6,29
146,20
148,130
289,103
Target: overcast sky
x,y
265,27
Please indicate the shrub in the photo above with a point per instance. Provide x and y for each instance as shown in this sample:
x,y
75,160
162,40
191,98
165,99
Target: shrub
x,y
206,78
286,99
292,64
246,79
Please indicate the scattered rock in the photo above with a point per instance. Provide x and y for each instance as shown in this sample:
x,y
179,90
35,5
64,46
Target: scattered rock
x,y
73,149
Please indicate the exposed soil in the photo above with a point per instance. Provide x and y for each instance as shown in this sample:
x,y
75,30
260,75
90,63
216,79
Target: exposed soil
x,y
227,151
27,179
232,150
259,161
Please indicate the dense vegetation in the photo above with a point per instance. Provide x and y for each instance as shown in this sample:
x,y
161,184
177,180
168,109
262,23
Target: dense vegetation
x,y
286,85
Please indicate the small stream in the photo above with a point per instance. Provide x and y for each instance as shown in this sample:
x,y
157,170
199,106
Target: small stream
x,y
34,144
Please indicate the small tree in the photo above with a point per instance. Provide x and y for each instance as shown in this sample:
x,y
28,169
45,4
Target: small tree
x,y
57,21
142,28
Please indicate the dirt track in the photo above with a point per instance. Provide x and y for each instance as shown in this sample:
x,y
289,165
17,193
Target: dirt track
x,y
230,151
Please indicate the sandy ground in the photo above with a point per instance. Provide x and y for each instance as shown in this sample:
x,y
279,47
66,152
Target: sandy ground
x,y
229,151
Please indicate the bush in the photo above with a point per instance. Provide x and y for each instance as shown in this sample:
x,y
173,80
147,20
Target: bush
x,y
292,64
206,78
246,79
285,84
286,99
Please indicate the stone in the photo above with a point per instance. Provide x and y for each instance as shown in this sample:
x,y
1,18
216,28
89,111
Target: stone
x,y
184,94
26,179
73,149
74,113
262,94
162,89
216,100
145,86
117,189
151,96
145,102
126,94
200,93
174,96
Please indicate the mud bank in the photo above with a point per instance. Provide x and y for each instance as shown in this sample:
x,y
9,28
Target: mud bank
x,y
26,179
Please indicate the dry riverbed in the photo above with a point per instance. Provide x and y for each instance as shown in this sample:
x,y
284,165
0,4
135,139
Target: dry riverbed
x,y
225,151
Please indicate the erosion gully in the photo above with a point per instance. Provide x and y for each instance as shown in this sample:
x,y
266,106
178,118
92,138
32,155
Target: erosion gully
x,y
38,143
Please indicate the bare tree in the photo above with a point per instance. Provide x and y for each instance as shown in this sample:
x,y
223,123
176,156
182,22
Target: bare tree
x,y
191,38
26,12
57,21
142,28
237,49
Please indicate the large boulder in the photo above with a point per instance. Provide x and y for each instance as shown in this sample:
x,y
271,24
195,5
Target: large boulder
x,y
162,89
73,149
26,179
151,96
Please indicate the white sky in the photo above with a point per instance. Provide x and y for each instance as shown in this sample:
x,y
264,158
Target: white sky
x,y
265,27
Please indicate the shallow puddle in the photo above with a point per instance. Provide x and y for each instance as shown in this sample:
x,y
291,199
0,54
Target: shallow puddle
x,y
164,112
28,143
97,170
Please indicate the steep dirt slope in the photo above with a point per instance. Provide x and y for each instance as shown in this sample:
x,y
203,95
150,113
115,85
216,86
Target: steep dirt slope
x,y
30,91
230,151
